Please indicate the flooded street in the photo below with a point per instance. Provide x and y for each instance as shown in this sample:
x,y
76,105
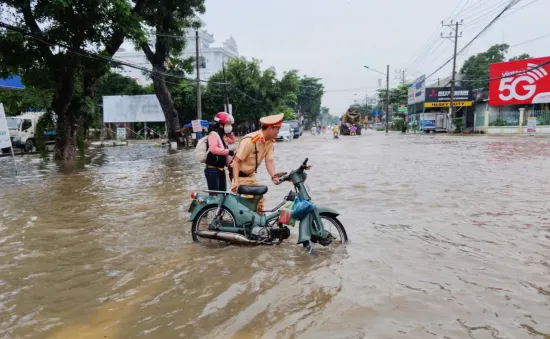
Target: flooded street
x,y
449,238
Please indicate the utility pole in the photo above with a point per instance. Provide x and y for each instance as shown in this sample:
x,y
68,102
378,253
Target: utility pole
x,y
197,62
226,90
401,75
387,98
454,26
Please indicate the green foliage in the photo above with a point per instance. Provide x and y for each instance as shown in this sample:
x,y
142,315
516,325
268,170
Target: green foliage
x,y
22,100
310,92
459,123
544,120
398,95
477,66
116,84
499,122
253,92
287,111
520,57
45,123
92,25
399,124
185,100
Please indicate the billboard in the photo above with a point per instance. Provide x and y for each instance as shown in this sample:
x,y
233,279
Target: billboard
x,y
417,90
441,97
5,140
132,108
526,82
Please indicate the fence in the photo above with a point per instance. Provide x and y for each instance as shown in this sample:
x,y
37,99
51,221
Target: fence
x,y
513,122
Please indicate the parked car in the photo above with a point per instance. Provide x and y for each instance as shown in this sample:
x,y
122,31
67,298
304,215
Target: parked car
x,y
285,133
296,127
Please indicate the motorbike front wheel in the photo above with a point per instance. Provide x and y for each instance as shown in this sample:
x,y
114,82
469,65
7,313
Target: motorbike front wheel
x,y
206,217
332,225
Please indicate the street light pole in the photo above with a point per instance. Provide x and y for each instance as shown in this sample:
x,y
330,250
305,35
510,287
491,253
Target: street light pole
x,y
199,108
387,98
387,92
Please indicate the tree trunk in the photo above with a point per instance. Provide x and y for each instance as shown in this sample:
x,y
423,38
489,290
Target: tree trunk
x,y
65,141
166,102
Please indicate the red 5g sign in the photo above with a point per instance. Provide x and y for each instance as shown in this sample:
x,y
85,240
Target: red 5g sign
x,y
523,82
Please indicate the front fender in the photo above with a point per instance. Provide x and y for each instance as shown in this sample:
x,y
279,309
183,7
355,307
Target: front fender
x,y
327,210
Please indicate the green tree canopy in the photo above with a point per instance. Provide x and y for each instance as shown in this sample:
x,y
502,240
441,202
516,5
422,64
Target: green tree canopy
x,y
30,49
520,57
253,92
116,84
22,100
310,93
398,95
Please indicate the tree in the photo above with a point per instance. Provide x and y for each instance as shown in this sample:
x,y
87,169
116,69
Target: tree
x,y
22,100
398,95
169,18
31,49
254,93
185,100
520,57
477,66
116,84
310,93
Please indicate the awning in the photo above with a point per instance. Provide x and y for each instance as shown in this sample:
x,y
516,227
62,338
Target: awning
x,y
11,82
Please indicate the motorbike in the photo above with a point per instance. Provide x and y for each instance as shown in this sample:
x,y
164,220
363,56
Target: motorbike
x,y
235,219
335,134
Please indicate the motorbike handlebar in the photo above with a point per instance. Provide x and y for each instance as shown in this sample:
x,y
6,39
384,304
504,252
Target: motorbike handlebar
x,y
303,166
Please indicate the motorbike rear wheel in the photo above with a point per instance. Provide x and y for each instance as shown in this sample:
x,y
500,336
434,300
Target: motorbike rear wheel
x,y
225,217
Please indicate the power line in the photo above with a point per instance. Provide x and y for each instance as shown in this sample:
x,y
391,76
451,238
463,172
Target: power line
x,y
528,41
510,5
96,56
511,75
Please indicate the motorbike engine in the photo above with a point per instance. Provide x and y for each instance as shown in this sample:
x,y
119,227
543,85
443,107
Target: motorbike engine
x,y
281,233
261,233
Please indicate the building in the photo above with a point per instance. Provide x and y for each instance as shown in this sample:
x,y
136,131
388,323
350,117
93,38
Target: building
x,y
211,57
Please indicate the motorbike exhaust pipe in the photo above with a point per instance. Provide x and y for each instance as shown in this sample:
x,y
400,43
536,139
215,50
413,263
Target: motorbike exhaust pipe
x,y
226,236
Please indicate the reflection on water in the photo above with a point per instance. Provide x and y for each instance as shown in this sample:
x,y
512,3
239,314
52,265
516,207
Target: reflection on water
x,y
450,237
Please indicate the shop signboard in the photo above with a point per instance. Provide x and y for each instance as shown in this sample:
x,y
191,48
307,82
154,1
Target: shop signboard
x,y
417,91
440,97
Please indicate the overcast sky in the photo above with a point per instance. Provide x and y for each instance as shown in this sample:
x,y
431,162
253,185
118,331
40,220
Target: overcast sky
x,y
333,39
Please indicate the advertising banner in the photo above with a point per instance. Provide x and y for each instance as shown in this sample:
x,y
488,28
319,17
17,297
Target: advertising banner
x,y
5,141
132,108
526,82
417,91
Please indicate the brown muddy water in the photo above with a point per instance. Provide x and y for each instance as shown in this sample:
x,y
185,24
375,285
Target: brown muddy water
x,y
450,238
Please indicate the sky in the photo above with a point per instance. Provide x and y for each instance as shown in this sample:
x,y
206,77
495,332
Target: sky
x,y
334,39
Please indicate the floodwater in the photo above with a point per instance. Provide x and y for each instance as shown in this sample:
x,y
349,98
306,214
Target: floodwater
x,y
449,238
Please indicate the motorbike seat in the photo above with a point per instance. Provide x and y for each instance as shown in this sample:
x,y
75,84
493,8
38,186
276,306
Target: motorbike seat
x,y
252,190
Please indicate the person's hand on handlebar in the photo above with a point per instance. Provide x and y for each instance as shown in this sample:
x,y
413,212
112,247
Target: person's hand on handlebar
x,y
276,179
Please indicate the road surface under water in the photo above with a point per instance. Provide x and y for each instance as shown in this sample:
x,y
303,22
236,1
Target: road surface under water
x,y
450,238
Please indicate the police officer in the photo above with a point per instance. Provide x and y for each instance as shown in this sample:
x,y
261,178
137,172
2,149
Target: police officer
x,y
252,150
